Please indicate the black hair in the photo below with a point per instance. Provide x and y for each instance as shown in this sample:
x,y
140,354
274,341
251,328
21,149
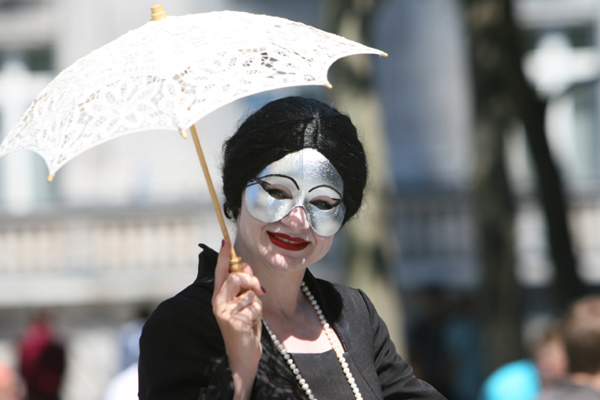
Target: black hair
x,y
285,126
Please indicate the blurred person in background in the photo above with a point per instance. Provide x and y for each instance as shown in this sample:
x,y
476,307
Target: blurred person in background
x,y
445,342
124,385
525,379
11,385
42,359
428,353
581,336
129,338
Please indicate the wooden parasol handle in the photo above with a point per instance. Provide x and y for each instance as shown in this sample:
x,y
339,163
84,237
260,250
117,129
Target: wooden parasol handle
x,y
235,263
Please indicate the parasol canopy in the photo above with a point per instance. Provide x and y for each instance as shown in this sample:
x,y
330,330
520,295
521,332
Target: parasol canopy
x,y
170,73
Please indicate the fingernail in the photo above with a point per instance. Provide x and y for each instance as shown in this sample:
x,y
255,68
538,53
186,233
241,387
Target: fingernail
x,y
263,289
222,243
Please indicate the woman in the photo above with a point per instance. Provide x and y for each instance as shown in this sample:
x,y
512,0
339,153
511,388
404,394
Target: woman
x,y
293,174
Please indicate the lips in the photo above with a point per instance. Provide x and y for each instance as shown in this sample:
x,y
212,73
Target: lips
x,y
287,242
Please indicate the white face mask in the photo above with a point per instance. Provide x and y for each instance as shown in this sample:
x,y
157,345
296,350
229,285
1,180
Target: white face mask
x,y
302,179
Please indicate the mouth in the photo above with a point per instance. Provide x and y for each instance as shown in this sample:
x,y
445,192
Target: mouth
x,y
287,242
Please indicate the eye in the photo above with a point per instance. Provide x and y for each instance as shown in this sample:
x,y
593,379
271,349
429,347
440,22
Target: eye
x,y
325,205
276,192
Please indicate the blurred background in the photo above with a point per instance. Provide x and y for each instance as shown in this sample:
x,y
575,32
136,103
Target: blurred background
x,y
481,220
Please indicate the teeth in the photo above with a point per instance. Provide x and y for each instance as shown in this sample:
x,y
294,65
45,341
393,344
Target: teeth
x,y
285,240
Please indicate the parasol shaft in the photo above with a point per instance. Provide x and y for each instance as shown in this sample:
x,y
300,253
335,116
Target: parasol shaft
x,y
235,264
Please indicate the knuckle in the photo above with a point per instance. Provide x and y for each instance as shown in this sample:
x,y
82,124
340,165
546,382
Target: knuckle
x,y
237,278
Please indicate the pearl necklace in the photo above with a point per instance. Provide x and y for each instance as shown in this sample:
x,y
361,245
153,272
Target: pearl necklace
x,y
334,344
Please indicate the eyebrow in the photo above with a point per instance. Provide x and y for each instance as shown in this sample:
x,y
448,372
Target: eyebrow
x,y
281,176
327,186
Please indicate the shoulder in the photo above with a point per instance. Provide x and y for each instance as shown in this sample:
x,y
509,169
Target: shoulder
x,y
347,298
187,314
337,290
348,308
180,332
194,300
191,305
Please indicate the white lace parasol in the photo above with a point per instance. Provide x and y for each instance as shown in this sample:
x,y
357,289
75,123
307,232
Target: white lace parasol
x,y
170,73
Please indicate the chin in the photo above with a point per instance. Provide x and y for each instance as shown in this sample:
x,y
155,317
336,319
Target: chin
x,y
279,259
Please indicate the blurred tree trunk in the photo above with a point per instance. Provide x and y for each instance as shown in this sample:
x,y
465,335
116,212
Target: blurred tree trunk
x,y
531,110
369,233
494,199
502,96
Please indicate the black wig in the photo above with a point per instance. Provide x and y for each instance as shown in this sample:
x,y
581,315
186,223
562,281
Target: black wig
x,y
285,126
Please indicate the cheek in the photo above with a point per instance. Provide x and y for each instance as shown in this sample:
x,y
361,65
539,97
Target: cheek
x,y
247,226
323,244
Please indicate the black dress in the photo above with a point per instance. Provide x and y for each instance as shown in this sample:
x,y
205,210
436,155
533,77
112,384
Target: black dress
x,y
324,375
182,354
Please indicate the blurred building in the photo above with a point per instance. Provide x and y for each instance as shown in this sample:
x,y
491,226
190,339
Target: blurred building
x,y
426,95
563,61
118,227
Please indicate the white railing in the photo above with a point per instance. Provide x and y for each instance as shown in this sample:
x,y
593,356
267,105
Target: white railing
x,y
131,254
108,255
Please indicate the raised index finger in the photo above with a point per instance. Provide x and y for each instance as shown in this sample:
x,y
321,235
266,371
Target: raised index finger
x,y
222,269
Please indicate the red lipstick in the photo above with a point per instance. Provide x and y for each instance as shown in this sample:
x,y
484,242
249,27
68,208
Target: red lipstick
x,y
287,242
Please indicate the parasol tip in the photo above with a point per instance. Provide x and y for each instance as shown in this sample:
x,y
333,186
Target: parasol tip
x,y
50,178
329,85
184,133
384,54
158,12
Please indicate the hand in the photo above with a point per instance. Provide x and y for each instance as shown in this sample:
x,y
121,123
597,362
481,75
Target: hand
x,y
238,310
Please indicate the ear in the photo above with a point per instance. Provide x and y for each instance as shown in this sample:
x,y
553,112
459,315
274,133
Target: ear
x,y
242,203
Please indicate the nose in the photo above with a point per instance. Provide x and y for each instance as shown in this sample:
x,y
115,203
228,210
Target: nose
x,y
296,218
